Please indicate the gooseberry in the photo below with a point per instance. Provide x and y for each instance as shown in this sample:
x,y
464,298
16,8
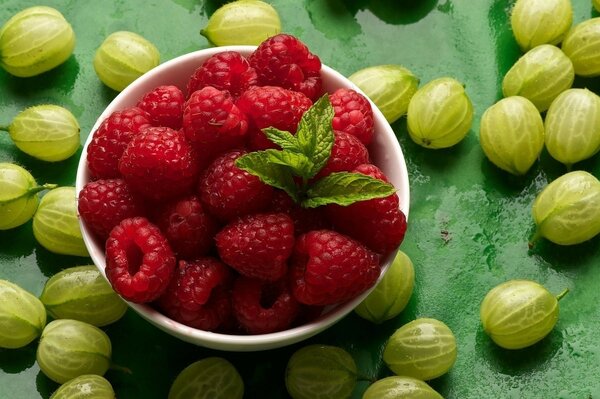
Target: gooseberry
x,y
423,349
22,316
87,386
582,46
397,387
596,4
518,313
536,22
210,378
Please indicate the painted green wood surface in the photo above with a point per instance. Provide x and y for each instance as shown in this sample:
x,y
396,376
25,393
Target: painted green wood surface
x,y
469,222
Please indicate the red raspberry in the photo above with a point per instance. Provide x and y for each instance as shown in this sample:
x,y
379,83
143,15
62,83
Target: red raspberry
x,y
104,203
213,123
164,105
227,70
159,164
261,307
346,154
270,106
198,294
188,227
305,219
110,140
258,245
328,267
228,191
139,261
353,114
285,61
378,223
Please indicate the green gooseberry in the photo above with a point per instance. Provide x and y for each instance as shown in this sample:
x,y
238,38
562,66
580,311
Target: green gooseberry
x,y
46,132
123,57
596,4
88,386
56,225
18,195
536,22
210,378
423,349
518,313
22,316
567,211
320,372
82,293
392,293
397,387
573,126
511,134
34,41
440,114
70,348
582,46
540,76
242,22
390,87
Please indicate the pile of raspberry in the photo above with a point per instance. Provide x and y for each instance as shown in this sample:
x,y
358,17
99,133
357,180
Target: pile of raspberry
x,y
210,245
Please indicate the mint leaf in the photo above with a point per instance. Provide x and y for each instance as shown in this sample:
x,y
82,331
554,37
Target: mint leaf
x,y
298,163
276,175
345,188
285,140
315,134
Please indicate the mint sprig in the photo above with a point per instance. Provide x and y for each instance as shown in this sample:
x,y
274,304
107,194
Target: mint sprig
x,y
303,155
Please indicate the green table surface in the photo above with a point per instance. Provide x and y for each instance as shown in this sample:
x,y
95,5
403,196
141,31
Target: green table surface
x,y
469,221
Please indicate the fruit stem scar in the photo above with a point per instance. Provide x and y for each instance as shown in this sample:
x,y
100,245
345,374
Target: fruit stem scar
x,y
562,294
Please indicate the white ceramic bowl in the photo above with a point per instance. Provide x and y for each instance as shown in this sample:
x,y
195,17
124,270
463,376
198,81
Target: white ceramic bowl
x,y
385,153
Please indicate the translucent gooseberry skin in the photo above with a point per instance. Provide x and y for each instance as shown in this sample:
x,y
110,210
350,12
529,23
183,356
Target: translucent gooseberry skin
x,y
210,378
572,126
34,41
392,293
518,313
536,22
397,387
46,132
22,316
423,349
87,386
320,372
390,87
71,348
81,293
582,46
123,57
56,225
511,134
18,196
440,114
241,22
540,76
567,211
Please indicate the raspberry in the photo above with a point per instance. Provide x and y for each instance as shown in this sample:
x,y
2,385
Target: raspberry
x,y
378,223
111,139
271,106
283,60
164,105
353,114
346,154
258,245
305,219
198,294
328,267
159,164
227,70
228,191
104,203
213,123
261,307
139,261
188,227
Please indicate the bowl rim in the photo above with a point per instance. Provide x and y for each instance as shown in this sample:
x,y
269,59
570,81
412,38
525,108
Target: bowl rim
x,y
230,342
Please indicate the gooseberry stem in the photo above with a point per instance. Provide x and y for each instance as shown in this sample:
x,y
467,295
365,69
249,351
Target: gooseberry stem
x,y
536,236
120,368
4,128
562,294
363,377
43,187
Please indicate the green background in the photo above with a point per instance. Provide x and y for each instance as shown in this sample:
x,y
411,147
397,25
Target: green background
x,y
469,222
